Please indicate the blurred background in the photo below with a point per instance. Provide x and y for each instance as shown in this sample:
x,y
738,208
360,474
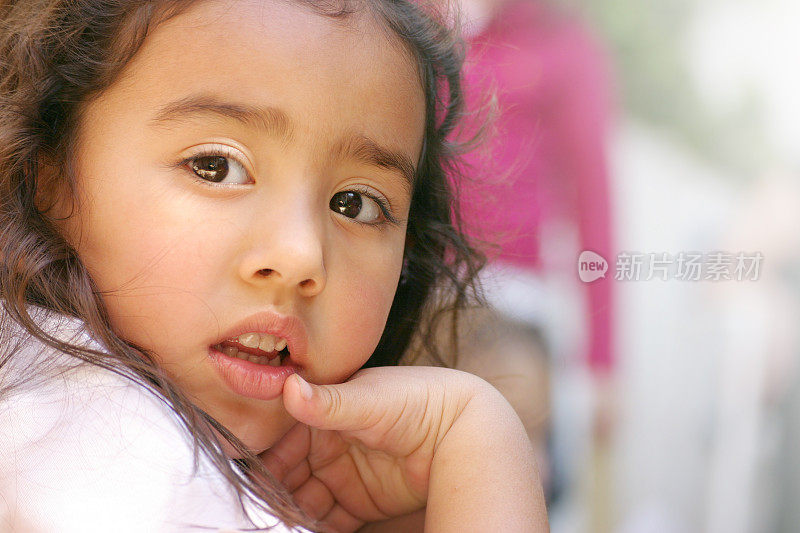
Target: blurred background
x,y
630,128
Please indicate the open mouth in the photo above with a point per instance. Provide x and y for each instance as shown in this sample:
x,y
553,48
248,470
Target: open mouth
x,y
234,348
249,370
254,358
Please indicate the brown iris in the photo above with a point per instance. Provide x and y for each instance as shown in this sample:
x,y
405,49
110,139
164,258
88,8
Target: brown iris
x,y
212,168
348,203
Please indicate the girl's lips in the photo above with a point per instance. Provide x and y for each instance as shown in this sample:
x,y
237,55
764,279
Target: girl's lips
x,y
287,327
261,382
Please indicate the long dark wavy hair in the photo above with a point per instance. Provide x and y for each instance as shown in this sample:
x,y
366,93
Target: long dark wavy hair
x,y
57,55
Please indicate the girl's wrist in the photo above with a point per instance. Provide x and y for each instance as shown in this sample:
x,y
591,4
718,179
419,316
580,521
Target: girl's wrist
x,y
484,472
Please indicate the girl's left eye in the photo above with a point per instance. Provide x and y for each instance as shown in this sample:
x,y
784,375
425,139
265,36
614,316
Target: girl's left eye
x,y
358,206
218,168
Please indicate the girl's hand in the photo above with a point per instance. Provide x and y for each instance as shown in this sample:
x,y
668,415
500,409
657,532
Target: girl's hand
x,y
393,440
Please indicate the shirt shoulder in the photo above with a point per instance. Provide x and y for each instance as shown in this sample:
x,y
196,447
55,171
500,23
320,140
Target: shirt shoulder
x,y
85,449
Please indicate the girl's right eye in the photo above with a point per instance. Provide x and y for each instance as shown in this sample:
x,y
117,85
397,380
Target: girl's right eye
x,y
217,167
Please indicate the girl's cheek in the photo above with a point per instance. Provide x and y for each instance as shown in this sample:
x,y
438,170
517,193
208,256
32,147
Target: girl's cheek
x,y
360,315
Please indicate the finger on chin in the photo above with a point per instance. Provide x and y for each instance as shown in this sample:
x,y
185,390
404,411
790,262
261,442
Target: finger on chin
x,y
297,476
340,521
295,400
286,454
314,498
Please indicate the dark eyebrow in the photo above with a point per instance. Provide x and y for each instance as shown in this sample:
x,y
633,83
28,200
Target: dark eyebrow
x,y
275,122
363,149
271,120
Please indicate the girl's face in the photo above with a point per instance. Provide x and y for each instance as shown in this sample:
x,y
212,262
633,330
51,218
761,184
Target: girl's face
x,y
251,172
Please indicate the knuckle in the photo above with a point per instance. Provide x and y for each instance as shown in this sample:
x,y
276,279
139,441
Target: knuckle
x,y
335,402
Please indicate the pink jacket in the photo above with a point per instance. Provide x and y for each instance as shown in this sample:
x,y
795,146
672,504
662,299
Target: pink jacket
x,y
553,86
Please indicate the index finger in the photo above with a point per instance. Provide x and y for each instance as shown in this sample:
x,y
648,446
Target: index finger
x,y
286,454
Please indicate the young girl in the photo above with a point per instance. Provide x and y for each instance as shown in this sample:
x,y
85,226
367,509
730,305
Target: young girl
x,y
220,224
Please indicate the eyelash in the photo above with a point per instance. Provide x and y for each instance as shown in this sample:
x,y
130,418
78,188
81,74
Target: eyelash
x,y
215,151
388,218
223,151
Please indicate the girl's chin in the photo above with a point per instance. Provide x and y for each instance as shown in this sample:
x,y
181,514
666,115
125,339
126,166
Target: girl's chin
x,y
257,439
232,453
229,450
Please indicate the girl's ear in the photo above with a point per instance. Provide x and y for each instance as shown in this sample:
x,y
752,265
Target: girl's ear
x,y
42,198
54,200
50,196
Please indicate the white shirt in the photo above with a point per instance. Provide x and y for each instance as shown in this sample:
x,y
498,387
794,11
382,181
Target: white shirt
x,y
83,450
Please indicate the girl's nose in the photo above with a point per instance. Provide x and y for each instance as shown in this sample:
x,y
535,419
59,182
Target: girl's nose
x,y
286,253
307,286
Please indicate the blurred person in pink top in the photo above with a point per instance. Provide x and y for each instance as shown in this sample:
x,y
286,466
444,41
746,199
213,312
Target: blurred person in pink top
x,y
553,89
544,166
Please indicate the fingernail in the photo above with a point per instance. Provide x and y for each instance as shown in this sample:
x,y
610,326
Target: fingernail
x,y
305,388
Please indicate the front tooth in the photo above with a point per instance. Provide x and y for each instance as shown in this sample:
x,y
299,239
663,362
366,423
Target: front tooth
x,y
253,359
249,339
275,361
267,343
230,351
280,345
